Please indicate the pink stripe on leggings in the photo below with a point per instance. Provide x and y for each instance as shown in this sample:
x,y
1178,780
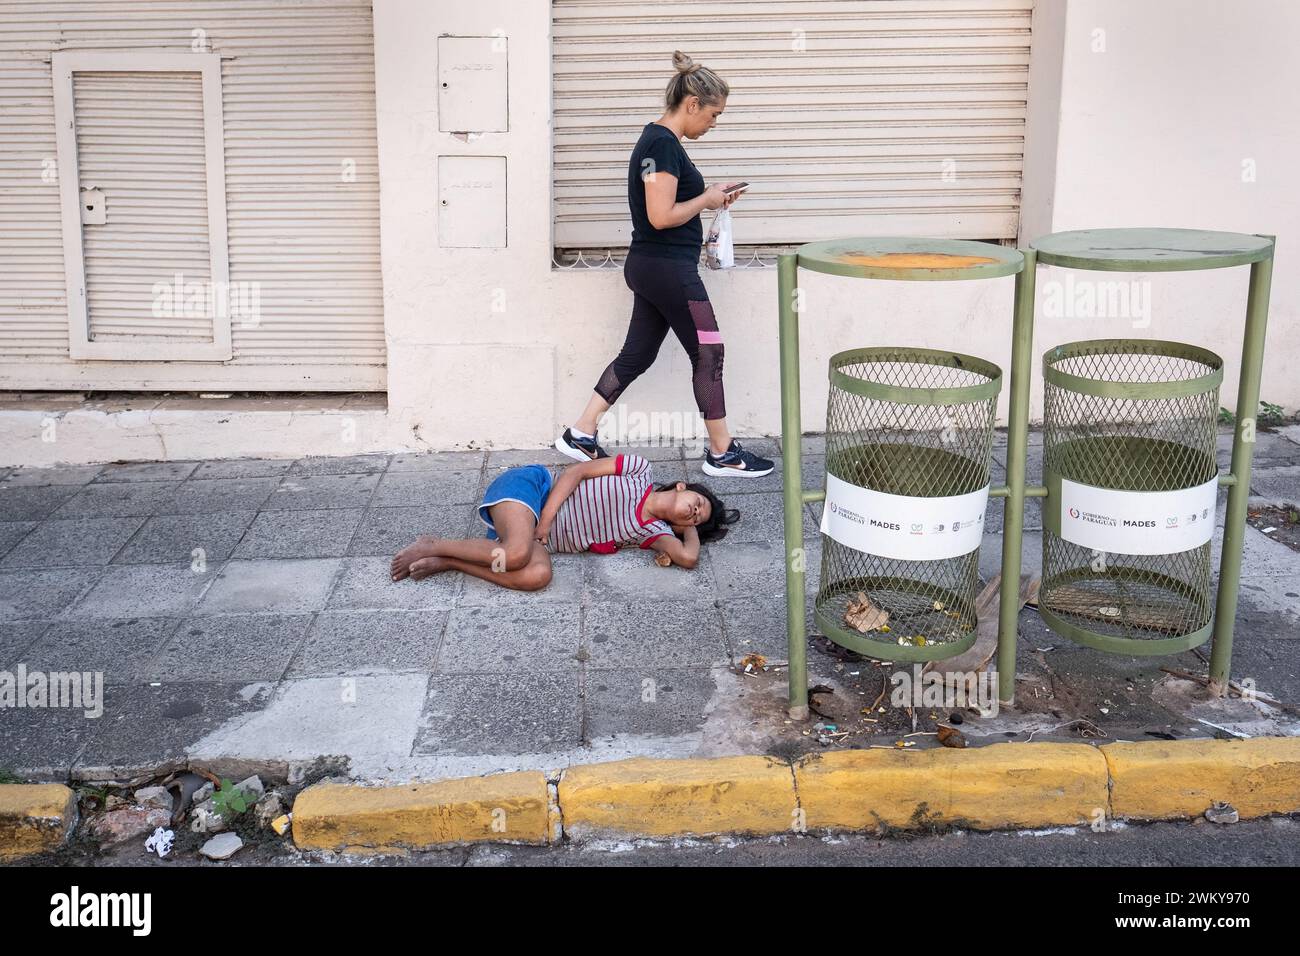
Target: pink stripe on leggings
x,y
709,338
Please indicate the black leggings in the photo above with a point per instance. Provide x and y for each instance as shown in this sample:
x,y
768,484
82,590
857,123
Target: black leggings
x,y
668,293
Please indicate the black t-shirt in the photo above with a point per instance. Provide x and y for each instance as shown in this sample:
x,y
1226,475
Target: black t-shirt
x,y
659,150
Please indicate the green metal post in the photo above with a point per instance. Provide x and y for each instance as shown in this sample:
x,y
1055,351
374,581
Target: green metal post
x,y
1013,525
1243,449
792,483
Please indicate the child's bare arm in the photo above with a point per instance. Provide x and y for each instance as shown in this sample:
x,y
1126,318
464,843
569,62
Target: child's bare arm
x,y
684,551
565,485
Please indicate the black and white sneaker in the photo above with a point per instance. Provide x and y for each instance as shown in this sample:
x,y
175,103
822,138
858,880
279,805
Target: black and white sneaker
x,y
735,462
579,449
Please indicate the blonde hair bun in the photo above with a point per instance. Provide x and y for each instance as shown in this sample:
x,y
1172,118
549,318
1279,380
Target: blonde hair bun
x,y
684,63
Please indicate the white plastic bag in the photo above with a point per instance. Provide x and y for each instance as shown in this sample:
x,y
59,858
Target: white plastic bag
x,y
719,253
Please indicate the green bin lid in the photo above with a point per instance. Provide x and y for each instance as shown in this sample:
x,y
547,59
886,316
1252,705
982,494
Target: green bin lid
x,y
1150,250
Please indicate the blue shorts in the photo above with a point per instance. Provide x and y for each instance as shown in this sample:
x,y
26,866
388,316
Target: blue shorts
x,y
528,484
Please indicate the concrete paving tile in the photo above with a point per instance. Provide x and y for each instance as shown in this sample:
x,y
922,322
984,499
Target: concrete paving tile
x,y
1031,555
146,471
389,530
370,642
119,499
342,465
16,637
149,728
40,745
647,702
1272,662
511,639
311,493
519,713
34,503
11,532
566,586
61,475
119,649
41,594
366,584
654,633
762,518
759,627
72,542
369,719
1277,483
656,453
750,570
501,458
169,539
995,515
272,587
230,647
1260,555
143,590
299,534
438,461
213,495
631,574
402,489
244,468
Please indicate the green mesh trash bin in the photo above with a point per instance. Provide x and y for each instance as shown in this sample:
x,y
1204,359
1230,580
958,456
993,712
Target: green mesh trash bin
x,y
1132,484
908,439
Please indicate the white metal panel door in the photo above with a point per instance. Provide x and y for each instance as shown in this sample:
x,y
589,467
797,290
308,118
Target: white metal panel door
x,y
849,117
148,278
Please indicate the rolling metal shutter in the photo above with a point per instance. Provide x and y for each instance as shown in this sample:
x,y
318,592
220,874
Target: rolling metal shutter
x,y
301,182
850,117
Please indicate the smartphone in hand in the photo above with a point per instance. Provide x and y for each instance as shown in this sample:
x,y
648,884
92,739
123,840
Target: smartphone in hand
x,y
736,190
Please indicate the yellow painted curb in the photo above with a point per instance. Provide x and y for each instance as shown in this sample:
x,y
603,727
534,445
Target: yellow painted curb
x,y
643,797
1181,778
34,818
1001,785
511,807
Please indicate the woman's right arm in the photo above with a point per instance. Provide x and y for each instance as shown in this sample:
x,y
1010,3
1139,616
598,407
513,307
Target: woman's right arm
x,y
662,208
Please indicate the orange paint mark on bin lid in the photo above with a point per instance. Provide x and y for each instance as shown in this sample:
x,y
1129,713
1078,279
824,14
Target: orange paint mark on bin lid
x,y
912,260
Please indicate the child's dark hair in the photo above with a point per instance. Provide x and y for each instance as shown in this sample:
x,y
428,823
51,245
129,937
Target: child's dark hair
x,y
715,529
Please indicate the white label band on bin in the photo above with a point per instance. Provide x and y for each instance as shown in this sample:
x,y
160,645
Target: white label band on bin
x,y
1138,522
899,526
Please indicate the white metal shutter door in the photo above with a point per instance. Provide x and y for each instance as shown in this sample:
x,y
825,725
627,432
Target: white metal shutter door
x,y
140,140
301,177
849,116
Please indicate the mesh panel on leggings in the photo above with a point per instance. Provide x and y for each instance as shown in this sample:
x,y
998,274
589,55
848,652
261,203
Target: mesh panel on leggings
x,y
1148,444
915,450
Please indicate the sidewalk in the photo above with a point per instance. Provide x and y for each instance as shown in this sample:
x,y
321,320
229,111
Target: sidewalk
x,y
243,618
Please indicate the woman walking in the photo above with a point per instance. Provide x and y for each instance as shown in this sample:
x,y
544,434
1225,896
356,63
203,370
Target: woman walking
x,y
666,195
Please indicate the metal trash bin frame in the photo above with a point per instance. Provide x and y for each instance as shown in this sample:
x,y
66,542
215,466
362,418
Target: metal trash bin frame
x,y
892,258
1105,250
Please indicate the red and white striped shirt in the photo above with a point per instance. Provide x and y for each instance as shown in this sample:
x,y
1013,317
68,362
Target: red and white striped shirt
x,y
604,513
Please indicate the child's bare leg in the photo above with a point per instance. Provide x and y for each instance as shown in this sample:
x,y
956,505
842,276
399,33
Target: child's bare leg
x,y
533,576
514,523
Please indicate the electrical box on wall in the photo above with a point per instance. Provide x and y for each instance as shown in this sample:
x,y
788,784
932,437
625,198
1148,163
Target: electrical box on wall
x,y
472,202
472,84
